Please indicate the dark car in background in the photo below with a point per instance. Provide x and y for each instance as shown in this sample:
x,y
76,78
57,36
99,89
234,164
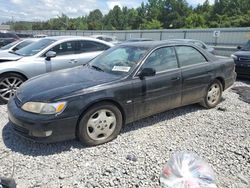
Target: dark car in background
x,y
199,43
138,40
7,38
124,84
242,60
24,35
16,45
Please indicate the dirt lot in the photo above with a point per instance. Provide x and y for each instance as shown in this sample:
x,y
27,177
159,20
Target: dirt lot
x,y
221,136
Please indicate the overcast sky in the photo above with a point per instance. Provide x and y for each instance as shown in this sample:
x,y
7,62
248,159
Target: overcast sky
x,y
30,10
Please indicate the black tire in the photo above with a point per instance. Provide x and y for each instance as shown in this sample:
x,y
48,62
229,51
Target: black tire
x,y
5,99
83,129
206,102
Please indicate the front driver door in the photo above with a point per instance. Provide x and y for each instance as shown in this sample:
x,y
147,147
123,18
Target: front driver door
x,y
65,57
160,92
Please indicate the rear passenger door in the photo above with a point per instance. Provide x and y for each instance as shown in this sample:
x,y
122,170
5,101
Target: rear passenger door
x,y
196,73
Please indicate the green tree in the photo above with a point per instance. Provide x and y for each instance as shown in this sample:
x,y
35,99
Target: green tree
x,y
154,24
195,20
94,20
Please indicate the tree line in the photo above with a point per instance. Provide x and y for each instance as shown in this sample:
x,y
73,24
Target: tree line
x,y
155,14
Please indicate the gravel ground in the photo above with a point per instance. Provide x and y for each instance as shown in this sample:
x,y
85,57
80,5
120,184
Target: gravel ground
x,y
221,136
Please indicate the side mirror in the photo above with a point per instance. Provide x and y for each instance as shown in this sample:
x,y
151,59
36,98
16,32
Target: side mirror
x,y
239,47
49,55
146,72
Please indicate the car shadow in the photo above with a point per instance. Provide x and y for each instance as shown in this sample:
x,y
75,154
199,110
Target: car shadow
x,y
21,145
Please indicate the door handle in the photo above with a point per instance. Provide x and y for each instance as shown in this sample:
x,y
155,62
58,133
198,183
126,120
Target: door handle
x,y
73,61
175,79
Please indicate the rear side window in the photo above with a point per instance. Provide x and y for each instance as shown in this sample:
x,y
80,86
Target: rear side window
x,y
90,46
189,56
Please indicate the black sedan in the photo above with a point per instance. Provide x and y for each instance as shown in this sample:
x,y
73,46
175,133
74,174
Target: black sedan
x,y
242,60
124,84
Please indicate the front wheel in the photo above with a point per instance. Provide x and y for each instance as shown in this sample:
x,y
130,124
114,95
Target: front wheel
x,y
9,83
100,124
213,95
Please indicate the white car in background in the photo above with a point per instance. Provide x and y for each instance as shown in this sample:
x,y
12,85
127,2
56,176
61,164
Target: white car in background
x,y
46,55
17,45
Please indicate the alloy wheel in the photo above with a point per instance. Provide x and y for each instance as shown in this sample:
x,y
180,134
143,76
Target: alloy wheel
x,y
214,93
101,124
8,87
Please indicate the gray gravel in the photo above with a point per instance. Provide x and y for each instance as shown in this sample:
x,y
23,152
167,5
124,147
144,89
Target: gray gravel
x,y
221,136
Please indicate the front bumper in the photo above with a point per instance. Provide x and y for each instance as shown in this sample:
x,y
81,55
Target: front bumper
x,y
243,71
41,128
242,68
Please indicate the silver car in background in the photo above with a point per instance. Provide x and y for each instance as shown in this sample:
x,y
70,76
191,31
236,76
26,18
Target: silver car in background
x,y
46,55
17,45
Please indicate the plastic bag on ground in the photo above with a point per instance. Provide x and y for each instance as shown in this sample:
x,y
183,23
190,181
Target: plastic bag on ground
x,y
187,170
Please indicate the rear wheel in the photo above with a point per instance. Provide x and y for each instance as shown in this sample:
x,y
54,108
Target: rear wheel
x,y
9,83
213,96
100,124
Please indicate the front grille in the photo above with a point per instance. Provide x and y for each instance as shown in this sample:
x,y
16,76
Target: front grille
x,y
244,58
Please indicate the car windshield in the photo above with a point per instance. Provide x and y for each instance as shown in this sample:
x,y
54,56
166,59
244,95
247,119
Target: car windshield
x,y
8,46
120,60
35,47
246,46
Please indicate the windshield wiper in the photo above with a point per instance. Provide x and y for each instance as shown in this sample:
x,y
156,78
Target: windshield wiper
x,y
97,68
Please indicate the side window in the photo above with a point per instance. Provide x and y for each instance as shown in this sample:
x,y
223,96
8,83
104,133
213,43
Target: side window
x,y
90,46
189,56
65,48
162,59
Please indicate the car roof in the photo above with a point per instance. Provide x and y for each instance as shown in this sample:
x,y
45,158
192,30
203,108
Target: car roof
x,y
66,38
151,44
186,40
102,36
139,39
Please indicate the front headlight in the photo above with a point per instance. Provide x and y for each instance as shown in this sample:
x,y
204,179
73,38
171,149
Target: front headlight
x,y
44,108
234,56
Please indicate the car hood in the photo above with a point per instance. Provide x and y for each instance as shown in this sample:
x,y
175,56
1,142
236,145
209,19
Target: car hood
x,y
242,53
51,86
6,56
